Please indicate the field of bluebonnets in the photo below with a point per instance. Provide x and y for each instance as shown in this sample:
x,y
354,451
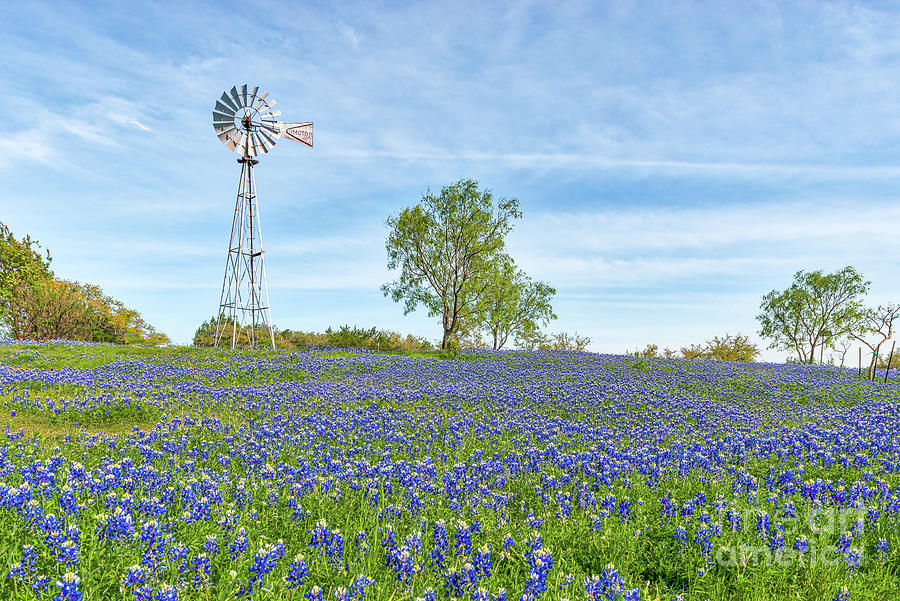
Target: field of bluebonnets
x,y
195,474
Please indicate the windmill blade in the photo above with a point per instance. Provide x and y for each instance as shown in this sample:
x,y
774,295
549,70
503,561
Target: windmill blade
x,y
236,97
217,116
220,127
229,102
298,132
227,133
225,136
275,113
260,100
267,138
261,143
253,94
244,95
273,128
224,109
231,144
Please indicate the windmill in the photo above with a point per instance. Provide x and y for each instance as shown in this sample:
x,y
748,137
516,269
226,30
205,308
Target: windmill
x,y
245,121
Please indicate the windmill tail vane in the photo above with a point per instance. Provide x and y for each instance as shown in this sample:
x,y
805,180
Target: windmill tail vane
x,y
245,120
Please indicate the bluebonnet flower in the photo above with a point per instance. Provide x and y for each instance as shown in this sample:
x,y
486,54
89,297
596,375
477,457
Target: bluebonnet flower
x,y
201,566
166,592
454,582
463,538
534,542
358,586
483,563
844,541
361,544
429,595
624,510
853,559
540,563
314,594
882,548
239,545
298,570
264,561
440,546
68,586
135,575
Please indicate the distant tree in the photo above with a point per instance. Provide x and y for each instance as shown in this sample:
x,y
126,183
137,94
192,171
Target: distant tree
x,y
345,337
61,309
356,337
120,324
841,348
873,328
444,248
205,336
470,335
563,341
512,302
51,310
650,351
815,311
732,348
694,351
723,348
892,361
21,263
531,339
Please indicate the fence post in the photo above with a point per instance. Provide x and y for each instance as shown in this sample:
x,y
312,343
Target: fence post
x,y
888,370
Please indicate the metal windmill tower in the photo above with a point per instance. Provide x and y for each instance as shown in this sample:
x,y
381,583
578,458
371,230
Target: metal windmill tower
x,y
244,120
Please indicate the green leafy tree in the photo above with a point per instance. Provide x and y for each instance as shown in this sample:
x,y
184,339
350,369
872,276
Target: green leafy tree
x,y
61,309
21,262
814,312
120,324
51,310
444,247
513,302
732,348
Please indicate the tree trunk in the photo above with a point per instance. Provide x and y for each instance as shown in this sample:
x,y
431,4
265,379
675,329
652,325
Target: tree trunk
x,y
446,339
873,364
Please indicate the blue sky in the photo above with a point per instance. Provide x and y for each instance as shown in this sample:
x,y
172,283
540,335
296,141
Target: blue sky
x,y
674,161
